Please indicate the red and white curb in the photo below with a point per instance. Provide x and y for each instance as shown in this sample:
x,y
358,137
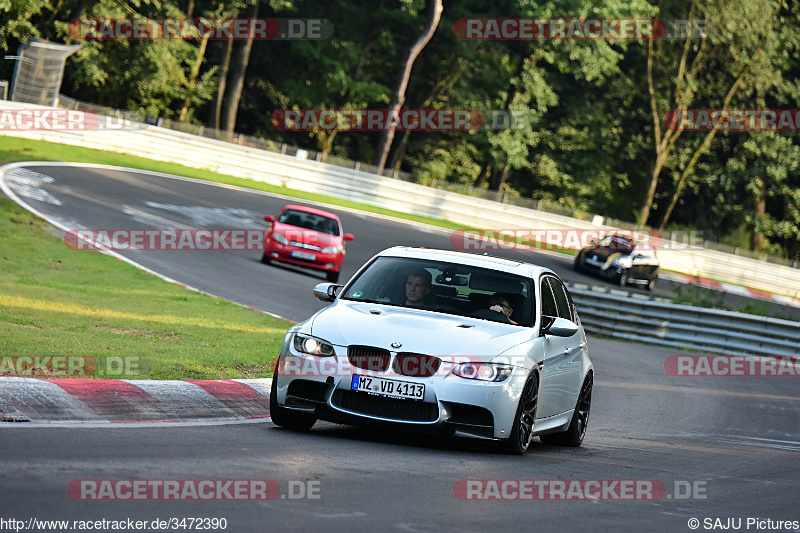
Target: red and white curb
x,y
732,289
132,401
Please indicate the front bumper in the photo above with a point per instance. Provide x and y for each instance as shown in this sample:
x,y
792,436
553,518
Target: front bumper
x,y
613,272
284,253
451,404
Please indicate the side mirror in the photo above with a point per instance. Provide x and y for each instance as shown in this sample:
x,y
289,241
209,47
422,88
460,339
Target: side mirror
x,y
326,291
269,218
560,327
348,236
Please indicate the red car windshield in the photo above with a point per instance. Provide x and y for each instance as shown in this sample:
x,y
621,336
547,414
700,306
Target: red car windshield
x,y
305,220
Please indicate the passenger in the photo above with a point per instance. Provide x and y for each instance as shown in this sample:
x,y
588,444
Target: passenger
x,y
499,302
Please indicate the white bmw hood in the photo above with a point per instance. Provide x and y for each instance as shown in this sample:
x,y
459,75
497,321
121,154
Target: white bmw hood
x,y
419,331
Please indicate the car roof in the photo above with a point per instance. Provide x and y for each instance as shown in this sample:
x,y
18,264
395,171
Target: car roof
x,y
633,242
509,266
312,210
624,238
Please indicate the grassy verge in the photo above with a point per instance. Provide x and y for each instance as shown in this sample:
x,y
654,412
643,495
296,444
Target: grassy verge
x,y
55,302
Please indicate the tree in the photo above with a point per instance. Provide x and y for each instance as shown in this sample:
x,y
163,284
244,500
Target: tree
x,y
230,105
399,94
741,31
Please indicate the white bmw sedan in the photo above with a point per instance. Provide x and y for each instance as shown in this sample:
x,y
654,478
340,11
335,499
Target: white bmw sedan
x,y
469,345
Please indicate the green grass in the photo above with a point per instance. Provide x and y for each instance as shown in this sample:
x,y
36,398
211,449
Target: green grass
x,y
55,301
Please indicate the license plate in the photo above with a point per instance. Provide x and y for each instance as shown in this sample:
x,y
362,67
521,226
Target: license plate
x,y
304,255
388,387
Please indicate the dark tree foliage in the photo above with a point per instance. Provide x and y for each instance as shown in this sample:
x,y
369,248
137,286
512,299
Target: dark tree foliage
x,y
589,127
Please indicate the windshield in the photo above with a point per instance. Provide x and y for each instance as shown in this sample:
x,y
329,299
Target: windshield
x,y
615,242
312,221
445,288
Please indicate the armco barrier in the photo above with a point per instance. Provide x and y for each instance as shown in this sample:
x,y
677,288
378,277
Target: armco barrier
x,y
276,169
683,326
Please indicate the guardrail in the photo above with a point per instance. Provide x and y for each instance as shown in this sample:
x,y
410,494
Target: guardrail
x,y
617,314
539,204
312,176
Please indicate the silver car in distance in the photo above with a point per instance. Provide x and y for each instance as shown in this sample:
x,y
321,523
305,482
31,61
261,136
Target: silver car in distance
x,y
465,344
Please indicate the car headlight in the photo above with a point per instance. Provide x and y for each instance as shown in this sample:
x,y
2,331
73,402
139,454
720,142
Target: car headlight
x,y
483,371
280,238
311,345
619,263
331,249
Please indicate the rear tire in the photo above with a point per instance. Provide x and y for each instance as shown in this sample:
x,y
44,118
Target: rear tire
x,y
287,418
623,277
576,431
333,277
651,284
522,432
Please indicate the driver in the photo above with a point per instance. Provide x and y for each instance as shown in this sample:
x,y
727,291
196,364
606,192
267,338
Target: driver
x,y
418,287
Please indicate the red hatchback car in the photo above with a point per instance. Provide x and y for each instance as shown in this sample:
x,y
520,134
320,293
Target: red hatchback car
x,y
307,237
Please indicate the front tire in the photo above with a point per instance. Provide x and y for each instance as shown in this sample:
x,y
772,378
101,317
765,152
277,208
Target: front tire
x,y
333,277
265,259
287,418
576,431
624,277
522,431
651,284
